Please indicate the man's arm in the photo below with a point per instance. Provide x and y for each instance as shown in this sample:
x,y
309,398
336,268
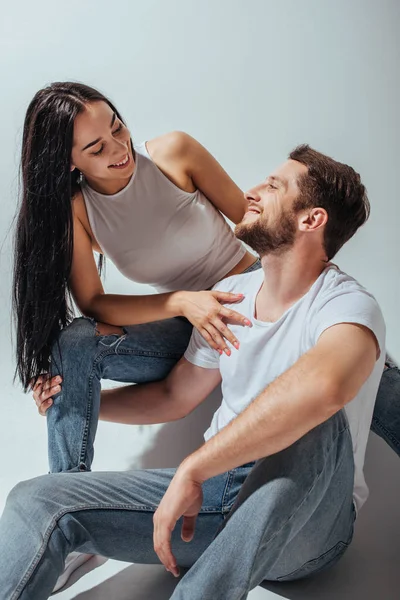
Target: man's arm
x,y
318,385
168,400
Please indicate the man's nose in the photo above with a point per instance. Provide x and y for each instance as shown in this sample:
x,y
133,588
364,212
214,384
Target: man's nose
x,y
252,195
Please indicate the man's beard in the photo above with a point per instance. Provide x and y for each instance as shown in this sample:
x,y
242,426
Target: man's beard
x,y
266,239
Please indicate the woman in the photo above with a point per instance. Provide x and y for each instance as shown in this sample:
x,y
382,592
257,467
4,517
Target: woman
x,y
154,210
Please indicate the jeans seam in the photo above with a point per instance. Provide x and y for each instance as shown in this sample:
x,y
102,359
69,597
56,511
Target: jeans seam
x,y
299,506
228,486
344,545
150,354
97,360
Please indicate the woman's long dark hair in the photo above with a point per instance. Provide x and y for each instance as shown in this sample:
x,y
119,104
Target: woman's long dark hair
x,y
44,233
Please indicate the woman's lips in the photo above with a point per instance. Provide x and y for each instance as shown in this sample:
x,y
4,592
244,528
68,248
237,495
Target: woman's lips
x,y
121,164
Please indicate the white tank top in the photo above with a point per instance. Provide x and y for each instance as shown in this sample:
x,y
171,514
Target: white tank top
x,y
158,234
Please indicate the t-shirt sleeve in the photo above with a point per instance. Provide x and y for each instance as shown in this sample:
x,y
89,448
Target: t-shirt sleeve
x,y
200,353
356,306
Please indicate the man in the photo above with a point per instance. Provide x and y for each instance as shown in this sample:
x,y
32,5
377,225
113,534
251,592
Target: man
x,y
298,399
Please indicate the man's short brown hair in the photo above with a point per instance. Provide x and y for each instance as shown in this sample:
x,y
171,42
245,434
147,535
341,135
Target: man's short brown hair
x,y
337,188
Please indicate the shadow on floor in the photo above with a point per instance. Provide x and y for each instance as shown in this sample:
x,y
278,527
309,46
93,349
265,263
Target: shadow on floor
x,y
138,582
175,441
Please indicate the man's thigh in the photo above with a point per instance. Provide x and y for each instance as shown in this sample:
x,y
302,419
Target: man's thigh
x,y
299,502
111,513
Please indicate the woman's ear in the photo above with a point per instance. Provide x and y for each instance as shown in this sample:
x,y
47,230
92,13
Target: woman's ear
x,y
73,168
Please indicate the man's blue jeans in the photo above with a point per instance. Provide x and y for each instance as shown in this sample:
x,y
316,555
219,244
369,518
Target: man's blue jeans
x,y
386,418
285,517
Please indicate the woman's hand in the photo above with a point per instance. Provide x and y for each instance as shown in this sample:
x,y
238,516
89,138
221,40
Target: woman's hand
x,y
205,311
43,391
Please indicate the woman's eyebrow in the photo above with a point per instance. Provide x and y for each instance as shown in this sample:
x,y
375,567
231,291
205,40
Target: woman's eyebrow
x,y
98,139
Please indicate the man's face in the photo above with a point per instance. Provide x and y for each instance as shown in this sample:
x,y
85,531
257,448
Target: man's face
x,y
270,223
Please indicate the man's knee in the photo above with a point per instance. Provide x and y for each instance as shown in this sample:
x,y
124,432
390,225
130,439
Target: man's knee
x,y
30,496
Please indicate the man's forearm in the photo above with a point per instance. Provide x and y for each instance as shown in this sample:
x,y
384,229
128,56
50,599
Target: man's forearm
x,y
141,404
287,409
319,384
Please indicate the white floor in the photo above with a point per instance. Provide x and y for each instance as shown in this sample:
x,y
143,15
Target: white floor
x,y
370,569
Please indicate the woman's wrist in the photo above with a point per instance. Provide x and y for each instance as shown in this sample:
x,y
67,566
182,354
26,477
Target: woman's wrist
x,y
176,303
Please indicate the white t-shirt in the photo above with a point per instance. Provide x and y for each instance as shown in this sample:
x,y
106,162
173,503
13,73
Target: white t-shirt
x,y
268,349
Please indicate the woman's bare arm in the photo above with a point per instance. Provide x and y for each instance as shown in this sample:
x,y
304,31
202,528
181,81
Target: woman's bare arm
x,y
187,162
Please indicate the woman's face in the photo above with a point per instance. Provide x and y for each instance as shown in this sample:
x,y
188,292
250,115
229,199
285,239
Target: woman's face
x,y
101,147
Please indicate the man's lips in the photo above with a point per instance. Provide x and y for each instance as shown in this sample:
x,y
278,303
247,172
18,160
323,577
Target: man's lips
x,y
253,211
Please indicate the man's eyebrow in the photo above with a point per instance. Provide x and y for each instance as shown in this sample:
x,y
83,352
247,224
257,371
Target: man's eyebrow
x,y
98,139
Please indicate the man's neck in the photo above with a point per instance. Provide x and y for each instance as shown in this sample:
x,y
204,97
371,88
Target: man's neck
x,y
287,277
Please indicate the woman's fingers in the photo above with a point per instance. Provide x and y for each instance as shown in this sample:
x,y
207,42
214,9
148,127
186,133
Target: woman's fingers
x,y
227,297
220,343
212,335
209,338
226,333
234,317
205,310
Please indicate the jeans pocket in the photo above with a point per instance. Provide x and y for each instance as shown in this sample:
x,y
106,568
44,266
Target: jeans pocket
x,y
312,567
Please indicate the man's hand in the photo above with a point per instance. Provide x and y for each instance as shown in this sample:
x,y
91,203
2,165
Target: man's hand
x,y
184,497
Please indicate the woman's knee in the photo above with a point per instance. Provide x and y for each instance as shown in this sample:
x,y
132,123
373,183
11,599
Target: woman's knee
x,y
75,341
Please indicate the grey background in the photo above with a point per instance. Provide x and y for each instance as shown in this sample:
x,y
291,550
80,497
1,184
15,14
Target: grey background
x,y
250,80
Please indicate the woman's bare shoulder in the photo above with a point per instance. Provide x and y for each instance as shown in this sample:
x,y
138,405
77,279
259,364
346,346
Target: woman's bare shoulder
x,y
79,212
78,205
170,145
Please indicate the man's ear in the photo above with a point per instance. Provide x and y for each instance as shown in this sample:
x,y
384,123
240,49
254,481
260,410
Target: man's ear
x,y
313,219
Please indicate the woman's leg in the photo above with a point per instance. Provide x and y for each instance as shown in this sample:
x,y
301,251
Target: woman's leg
x,y
110,514
386,418
82,357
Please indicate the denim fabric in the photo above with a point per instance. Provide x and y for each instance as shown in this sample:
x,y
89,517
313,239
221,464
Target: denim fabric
x,y
386,418
144,353
285,517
